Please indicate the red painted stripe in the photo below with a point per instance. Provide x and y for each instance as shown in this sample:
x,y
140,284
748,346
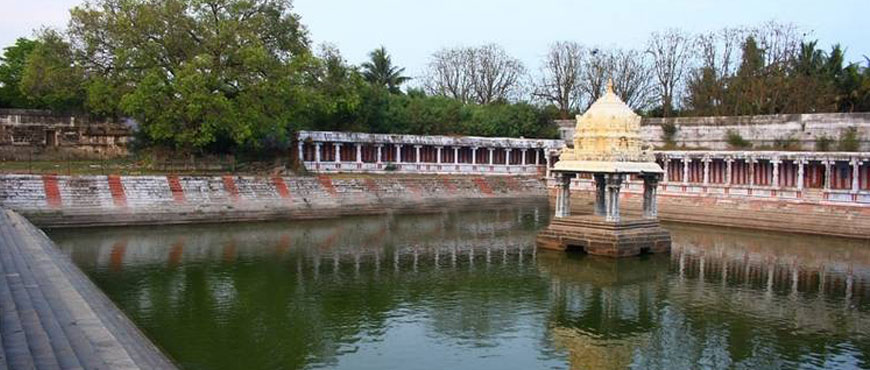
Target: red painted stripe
x,y
483,185
116,257
281,187
326,182
371,185
451,187
230,187
117,190
176,252
52,191
176,189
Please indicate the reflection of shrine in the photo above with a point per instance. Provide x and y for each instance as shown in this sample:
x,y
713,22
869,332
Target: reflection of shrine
x,y
608,147
603,309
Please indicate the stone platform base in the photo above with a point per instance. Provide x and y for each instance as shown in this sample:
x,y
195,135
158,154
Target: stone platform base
x,y
594,235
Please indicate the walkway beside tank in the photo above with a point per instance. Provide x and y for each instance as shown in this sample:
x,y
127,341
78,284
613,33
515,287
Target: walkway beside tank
x,y
53,316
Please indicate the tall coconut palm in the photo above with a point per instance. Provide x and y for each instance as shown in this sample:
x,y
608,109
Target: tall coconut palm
x,y
380,71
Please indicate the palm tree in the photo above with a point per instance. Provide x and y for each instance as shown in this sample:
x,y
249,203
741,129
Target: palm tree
x,y
380,71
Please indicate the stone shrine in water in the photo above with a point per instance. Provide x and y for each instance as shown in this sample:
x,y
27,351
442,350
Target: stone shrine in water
x,y
608,147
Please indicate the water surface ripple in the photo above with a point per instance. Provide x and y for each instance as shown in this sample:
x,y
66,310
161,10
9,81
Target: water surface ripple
x,y
469,291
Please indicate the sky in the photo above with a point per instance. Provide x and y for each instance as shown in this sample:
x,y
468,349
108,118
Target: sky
x,y
412,30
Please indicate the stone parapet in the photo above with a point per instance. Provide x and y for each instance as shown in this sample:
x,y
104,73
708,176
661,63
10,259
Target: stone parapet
x,y
803,130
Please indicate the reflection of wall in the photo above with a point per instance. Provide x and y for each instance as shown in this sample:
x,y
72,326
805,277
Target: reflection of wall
x,y
719,290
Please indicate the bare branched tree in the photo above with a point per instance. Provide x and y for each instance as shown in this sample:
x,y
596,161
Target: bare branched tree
x,y
630,72
670,53
561,74
482,74
780,41
448,74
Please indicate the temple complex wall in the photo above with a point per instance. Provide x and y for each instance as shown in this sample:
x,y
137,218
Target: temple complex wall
x,y
63,201
32,134
761,131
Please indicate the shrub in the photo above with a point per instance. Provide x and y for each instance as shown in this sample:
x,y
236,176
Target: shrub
x,y
823,143
849,140
786,143
669,132
734,140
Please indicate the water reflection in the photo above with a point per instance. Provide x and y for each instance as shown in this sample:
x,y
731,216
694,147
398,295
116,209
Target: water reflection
x,y
468,290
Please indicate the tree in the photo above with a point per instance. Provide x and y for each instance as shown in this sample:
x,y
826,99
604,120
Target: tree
x,y
560,79
629,71
50,78
380,71
205,74
12,65
482,74
670,51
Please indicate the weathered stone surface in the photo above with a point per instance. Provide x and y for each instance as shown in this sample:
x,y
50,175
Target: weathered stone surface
x,y
91,200
765,130
52,316
594,235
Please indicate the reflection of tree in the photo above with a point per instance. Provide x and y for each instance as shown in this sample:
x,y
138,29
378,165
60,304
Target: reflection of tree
x,y
286,307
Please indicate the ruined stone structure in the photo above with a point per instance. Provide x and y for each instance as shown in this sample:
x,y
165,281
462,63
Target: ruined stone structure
x,y
802,130
26,134
324,151
607,147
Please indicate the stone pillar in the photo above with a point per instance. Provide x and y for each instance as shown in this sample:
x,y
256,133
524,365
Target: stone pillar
x,y
537,156
614,183
317,152
417,153
667,165
563,196
547,163
828,176
686,161
523,157
751,162
358,153
650,189
337,152
507,157
398,153
438,154
380,152
600,194
775,164
301,152
490,155
856,174
706,161
800,174
728,162
456,155
474,155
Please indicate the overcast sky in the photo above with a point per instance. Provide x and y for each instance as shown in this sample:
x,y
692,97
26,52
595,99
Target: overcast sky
x,y
412,29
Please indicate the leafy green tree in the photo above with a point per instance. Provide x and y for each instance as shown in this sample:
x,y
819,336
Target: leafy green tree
x,y
380,71
12,65
50,78
205,74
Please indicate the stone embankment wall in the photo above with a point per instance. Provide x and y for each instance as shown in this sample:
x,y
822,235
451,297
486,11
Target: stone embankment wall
x,y
61,201
743,212
711,132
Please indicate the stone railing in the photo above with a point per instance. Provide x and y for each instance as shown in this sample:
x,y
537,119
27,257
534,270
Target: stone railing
x,y
825,177
330,152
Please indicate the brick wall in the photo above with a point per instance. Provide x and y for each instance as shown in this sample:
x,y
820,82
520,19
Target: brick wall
x,y
61,201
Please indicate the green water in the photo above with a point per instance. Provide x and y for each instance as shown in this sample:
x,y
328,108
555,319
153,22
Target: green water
x,y
469,291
